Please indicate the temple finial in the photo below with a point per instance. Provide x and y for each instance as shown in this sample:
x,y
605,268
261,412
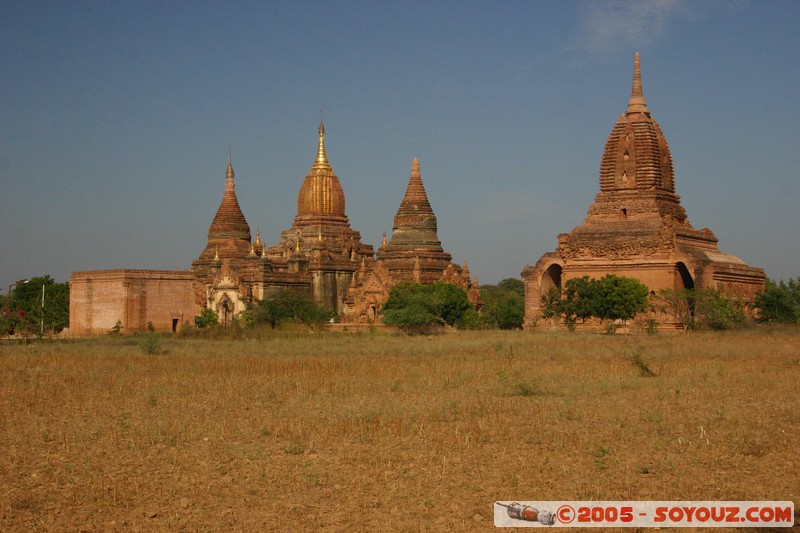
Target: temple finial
x,y
322,158
415,168
637,103
229,171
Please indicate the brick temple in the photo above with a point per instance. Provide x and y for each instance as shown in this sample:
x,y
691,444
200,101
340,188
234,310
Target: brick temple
x,y
636,226
320,254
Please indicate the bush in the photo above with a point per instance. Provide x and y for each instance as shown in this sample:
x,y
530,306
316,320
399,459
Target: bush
x,y
207,318
503,304
150,343
714,311
424,309
290,306
611,297
779,303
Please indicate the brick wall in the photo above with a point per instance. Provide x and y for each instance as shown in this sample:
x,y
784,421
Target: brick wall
x,y
101,298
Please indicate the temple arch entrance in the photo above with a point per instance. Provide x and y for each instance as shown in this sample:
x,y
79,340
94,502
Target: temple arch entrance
x,y
686,278
687,283
551,278
226,307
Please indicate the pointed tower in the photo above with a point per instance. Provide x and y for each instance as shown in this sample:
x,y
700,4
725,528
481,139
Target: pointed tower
x,y
636,226
414,236
229,233
320,251
413,254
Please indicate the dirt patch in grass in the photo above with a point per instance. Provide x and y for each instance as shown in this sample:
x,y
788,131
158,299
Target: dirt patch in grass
x,y
374,432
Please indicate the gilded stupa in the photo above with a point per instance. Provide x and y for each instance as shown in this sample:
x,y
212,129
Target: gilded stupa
x,y
320,248
636,226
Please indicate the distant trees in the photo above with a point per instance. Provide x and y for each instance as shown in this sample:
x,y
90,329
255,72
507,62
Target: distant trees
x,y
780,302
419,308
23,311
290,306
503,305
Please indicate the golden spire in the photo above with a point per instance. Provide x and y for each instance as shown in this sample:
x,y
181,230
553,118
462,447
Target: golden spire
x,y
258,236
637,103
322,158
383,242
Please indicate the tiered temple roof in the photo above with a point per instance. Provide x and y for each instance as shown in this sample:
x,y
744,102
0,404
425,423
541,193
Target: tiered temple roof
x,y
229,233
414,245
636,226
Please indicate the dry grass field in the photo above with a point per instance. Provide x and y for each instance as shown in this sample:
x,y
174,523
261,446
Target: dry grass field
x,y
336,432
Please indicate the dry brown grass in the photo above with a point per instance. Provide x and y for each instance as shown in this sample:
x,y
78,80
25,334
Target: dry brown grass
x,y
372,432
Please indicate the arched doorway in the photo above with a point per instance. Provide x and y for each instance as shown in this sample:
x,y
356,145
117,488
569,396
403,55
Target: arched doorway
x,y
225,309
551,278
686,278
687,284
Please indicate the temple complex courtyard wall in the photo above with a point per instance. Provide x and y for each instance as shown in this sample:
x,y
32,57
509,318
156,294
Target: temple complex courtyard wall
x,y
134,299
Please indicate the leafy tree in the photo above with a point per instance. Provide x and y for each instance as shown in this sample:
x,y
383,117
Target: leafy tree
x,y
713,310
611,297
618,298
780,302
513,285
503,304
27,313
578,299
207,318
422,308
290,306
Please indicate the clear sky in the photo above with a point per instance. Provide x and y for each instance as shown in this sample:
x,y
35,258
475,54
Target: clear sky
x,y
116,119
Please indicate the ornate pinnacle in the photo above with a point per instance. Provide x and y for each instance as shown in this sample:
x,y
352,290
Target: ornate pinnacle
x,y
637,103
322,158
229,183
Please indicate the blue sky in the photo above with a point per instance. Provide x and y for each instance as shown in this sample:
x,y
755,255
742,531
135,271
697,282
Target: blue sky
x,y
116,119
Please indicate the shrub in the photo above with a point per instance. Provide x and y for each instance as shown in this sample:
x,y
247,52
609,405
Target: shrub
x,y
424,309
779,303
290,306
150,343
714,311
207,318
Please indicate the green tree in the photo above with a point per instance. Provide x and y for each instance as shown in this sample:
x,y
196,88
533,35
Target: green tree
x,y
618,298
513,285
423,308
611,297
714,310
578,299
30,313
290,306
503,304
779,303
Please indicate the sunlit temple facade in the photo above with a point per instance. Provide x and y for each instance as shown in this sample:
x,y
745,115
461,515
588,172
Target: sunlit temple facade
x,y
320,255
636,226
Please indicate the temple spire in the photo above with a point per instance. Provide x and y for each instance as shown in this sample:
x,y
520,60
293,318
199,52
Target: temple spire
x,y
229,182
322,158
637,103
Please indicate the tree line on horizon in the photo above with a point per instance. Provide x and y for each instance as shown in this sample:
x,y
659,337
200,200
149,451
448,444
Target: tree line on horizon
x,y
417,308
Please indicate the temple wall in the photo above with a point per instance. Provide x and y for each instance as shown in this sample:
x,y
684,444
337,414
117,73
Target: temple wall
x,y
101,298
